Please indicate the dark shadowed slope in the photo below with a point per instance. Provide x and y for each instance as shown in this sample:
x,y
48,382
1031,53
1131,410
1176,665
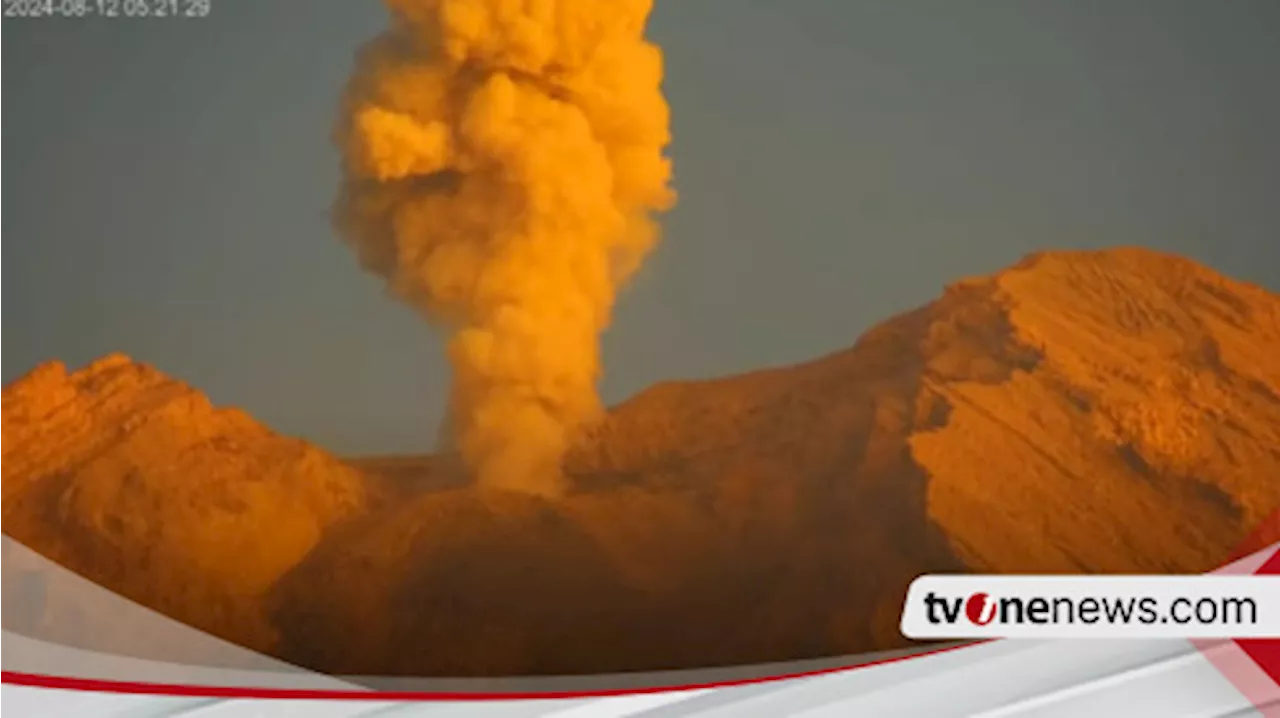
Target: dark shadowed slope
x,y
1082,411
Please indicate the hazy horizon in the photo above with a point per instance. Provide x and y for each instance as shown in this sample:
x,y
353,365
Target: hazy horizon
x,y
837,163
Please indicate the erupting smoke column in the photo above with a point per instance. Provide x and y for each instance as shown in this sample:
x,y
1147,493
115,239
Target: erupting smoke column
x,y
502,162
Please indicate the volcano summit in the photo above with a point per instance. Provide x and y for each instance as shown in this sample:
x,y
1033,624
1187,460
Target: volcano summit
x,y
1079,412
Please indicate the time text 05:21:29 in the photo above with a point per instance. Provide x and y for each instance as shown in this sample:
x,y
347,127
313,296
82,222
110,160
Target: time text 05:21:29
x,y
107,8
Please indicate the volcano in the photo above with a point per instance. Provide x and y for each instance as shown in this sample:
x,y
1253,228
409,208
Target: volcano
x,y
1079,412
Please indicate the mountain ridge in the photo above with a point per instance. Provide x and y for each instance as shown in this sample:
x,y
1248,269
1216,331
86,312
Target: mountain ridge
x,y
1106,411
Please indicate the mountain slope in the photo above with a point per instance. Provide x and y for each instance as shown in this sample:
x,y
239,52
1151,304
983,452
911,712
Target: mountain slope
x,y
1111,411
1120,388
1096,412
1151,425
135,481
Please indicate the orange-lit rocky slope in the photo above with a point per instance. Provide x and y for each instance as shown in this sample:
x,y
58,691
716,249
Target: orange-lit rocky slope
x,y
135,481
1109,411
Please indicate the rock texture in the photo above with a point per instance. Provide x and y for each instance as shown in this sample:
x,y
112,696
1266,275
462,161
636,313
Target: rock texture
x,y
1150,423
1111,411
135,481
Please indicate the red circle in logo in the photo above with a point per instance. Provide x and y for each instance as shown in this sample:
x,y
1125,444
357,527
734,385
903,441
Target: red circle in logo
x,y
980,609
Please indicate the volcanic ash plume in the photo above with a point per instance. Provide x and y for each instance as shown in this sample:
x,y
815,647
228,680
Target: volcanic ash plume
x,y
502,162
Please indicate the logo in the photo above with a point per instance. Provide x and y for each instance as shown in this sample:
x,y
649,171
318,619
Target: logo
x,y
1060,606
980,609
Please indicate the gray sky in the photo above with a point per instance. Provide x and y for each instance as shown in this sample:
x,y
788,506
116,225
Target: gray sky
x,y
838,161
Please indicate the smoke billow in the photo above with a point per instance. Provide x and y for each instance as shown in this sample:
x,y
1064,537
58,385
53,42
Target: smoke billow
x,y
503,160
